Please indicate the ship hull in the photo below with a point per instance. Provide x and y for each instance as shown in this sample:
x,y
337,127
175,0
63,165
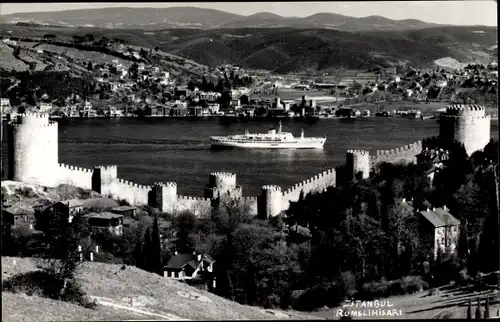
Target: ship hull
x,y
307,144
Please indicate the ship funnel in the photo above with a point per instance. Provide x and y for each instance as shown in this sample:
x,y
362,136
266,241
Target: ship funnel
x,y
302,133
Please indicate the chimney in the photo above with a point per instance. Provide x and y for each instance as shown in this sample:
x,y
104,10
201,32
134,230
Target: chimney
x,y
198,257
445,208
404,200
433,208
96,249
278,102
428,209
175,253
194,253
79,248
91,256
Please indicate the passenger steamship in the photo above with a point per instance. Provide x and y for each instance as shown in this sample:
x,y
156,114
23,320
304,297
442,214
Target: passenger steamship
x,y
273,139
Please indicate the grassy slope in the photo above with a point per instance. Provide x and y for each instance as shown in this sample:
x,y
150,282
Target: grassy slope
x,y
296,48
130,287
448,303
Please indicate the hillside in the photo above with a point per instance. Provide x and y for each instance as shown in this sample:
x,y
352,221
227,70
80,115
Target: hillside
x,y
291,49
192,17
128,293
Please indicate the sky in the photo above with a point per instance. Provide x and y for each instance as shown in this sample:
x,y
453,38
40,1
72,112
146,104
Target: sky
x,y
472,12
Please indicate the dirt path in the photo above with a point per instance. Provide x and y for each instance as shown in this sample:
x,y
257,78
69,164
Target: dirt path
x,y
109,302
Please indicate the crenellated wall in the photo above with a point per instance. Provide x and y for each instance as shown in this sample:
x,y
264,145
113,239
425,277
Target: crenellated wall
x,y
33,149
270,201
75,176
318,183
467,124
196,205
358,161
133,193
406,153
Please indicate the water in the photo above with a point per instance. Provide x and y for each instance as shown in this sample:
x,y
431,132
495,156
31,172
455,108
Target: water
x,y
149,150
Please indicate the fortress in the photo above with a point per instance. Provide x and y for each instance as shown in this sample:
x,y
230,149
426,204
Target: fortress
x,y
33,159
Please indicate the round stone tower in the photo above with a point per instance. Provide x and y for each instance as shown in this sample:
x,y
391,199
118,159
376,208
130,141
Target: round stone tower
x,y
33,150
271,201
166,196
467,124
222,184
358,160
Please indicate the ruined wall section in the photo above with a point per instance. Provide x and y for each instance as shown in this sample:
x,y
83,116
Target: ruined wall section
x,y
406,153
318,183
33,149
75,176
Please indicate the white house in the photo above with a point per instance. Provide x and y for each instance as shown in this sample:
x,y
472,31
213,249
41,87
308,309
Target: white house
x,y
188,266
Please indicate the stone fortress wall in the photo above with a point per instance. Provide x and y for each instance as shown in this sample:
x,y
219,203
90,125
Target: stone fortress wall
x,y
33,146
468,124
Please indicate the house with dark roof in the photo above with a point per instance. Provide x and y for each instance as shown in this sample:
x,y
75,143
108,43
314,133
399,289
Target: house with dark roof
x,y
106,221
437,225
19,215
126,211
189,266
68,208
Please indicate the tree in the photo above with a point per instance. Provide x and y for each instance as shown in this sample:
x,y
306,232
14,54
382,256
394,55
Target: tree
x,y
155,255
61,239
147,251
463,244
185,224
89,66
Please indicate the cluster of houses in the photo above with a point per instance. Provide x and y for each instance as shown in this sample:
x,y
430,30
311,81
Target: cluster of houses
x,y
181,266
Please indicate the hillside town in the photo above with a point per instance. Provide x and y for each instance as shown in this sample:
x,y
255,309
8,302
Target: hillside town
x,y
145,89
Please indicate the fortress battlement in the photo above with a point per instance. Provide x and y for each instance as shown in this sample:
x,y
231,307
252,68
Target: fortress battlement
x,y
166,184
106,167
407,153
249,199
191,198
40,124
271,188
464,116
74,168
358,152
223,174
464,108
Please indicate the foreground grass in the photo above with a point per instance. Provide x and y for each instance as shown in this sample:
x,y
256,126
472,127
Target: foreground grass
x,y
449,302
119,291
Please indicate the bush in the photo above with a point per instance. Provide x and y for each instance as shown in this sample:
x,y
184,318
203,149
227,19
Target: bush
x,y
26,192
406,285
47,285
413,284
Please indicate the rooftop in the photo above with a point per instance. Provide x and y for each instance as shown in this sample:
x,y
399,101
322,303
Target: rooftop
x,y
103,215
124,208
72,203
20,209
439,217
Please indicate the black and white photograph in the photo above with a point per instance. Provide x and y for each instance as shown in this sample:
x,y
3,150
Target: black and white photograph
x,y
249,161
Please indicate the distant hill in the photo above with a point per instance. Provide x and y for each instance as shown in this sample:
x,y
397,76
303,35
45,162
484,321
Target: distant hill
x,y
287,50
191,17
